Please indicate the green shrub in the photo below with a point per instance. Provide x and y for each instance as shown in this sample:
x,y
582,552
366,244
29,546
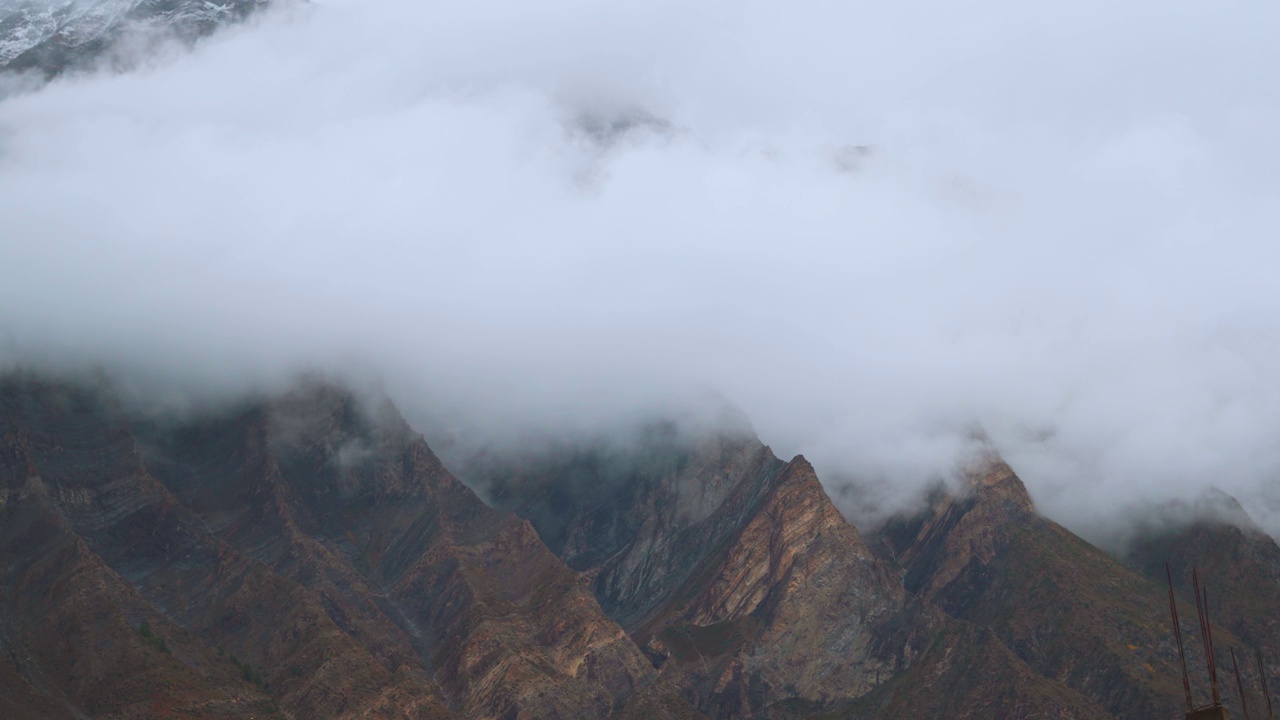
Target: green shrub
x,y
151,638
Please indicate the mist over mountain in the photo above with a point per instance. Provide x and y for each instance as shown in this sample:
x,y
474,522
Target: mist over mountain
x,y
729,361
870,228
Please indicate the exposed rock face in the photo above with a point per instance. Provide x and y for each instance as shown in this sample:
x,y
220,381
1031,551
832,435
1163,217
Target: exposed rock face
x,y
322,547
1070,611
746,586
308,556
638,518
70,626
50,37
374,522
793,608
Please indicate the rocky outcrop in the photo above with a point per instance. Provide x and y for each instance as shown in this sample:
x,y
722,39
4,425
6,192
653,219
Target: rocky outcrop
x,y
636,516
793,608
777,607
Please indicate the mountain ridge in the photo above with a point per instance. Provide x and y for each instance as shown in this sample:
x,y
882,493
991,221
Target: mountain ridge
x,y
307,554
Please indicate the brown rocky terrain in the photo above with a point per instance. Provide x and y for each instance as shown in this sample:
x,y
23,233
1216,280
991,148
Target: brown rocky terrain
x,y
1240,566
1072,612
71,626
320,584
775,605
307,555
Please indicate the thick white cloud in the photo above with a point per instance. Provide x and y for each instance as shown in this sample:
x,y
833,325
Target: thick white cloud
x,y
870,225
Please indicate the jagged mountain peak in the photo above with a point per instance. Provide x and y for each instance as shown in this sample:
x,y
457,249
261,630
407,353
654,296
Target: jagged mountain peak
x,y
988,499
984,555
310,555
1212,507
797,485
795,529
339,425
991,480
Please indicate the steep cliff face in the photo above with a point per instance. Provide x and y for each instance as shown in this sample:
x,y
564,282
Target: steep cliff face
x,y
345,499
637,517
793,607
1070,611
272,631
308,556
79,640
322,550
747,588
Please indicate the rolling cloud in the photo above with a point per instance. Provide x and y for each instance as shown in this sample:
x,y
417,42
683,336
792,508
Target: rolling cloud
x,y
871,227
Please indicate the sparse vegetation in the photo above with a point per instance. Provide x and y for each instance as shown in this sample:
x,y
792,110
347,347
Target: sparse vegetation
x,y
248,672
148,636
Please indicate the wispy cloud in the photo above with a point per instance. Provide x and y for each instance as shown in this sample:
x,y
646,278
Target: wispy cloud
x,y
869,225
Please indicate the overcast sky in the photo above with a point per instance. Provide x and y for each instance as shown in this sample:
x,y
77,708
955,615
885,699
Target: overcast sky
x,y
869,225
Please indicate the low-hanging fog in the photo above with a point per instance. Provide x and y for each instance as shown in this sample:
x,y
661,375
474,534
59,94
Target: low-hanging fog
x,y
871,226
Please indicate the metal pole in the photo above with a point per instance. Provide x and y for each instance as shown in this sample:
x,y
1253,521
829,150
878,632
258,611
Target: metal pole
x,y
1177,634
1204,643
1213,658
1244,705
1262,675
1202,612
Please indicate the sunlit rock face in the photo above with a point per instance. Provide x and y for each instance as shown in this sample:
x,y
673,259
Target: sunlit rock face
x,y
746,587
48,37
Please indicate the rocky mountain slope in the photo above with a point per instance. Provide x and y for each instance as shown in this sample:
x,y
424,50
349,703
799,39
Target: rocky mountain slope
x,y
1070,611
315,554
307,555
1241,567
750,591
51,36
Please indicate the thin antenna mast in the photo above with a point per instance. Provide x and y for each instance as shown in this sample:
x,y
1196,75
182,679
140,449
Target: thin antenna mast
x,y
1262,675
1177,634
1244,705
1213,656
1206,638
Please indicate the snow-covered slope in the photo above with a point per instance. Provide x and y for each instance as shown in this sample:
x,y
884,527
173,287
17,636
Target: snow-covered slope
x,y
50,36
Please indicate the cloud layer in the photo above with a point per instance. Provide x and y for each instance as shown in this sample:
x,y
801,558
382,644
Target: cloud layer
x,y
869,226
